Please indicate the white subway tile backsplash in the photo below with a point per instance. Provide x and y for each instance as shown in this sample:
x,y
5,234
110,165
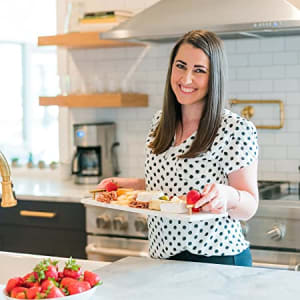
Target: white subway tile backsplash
x,y
293,98
285,58
231,74
292,112
248,46
294,152
236,86
248,73
267,165
289,166
265,138
272,44
230,46
238,60
286,85
260,86
287,139
260,59
293,177
272,152
125,114
293,71
274,176
293,43
292,125
273,72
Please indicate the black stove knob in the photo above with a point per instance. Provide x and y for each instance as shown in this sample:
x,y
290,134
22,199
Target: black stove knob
x,y
103,222
277,232
140,224
120,223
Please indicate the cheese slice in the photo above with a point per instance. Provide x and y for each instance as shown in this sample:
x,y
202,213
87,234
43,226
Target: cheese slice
x,y
148,196
176,205
156,203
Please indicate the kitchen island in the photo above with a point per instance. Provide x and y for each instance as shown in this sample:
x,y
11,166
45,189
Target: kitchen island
x,y
145,278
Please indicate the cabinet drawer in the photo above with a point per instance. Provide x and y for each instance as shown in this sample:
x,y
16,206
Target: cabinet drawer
x,y
42,241
45,214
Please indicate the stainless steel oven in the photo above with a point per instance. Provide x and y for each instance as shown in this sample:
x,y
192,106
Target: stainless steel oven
x,y
274,231
113,234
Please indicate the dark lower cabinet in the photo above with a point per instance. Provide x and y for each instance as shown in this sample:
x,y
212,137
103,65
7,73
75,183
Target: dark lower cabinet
x,y
45,228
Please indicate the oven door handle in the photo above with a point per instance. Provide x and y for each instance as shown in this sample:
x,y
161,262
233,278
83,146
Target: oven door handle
x,y
94,249
277,266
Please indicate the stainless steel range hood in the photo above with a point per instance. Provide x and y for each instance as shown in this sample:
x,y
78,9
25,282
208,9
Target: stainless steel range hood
x,y
169,19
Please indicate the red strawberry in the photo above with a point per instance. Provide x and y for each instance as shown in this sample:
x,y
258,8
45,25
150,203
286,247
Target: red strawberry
x,y
77,287
111,186
47,284
54,292
60,276
194,209
64,291
30,279
192,197
52,272
40,296
46,269
32,292
91,277
72,269
12,283
66,281
21,296
17,290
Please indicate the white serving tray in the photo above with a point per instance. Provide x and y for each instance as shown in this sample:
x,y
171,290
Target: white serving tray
x,y
186,217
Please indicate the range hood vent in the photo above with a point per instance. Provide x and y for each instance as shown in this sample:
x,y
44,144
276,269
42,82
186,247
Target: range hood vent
x,y
167,20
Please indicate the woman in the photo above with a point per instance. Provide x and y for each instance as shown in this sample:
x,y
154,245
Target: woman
x,y
194,143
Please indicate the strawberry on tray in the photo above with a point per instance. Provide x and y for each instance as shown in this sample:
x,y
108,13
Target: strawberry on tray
x,y
45,281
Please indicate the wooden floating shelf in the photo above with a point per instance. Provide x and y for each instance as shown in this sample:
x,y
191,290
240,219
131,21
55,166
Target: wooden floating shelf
x,y
83,40
97,100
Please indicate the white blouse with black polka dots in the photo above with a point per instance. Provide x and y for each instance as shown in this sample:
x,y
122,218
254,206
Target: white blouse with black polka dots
x,y
234,147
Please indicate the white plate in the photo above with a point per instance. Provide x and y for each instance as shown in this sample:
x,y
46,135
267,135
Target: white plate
x,y
186,217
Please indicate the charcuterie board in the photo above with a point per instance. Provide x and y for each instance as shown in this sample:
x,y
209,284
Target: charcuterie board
x,y
200,216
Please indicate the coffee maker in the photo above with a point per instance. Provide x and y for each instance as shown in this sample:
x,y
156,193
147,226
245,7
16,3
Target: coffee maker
x,y
95,154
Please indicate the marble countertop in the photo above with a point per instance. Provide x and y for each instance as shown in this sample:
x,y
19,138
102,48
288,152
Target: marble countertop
x,y
148,279
48,187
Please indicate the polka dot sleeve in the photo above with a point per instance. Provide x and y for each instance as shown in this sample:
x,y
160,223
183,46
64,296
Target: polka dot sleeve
x,y
241,148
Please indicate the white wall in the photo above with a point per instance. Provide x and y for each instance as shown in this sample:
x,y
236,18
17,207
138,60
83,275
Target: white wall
x,y
258,69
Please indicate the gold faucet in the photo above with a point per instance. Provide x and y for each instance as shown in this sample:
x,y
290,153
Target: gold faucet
x,y
8,198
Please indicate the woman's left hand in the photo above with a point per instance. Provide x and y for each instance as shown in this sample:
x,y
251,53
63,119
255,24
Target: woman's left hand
x,y
214,199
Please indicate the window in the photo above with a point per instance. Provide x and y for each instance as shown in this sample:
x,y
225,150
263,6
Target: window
x,y
27,72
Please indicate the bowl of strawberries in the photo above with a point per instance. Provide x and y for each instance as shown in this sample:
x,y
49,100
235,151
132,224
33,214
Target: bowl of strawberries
x,y
46,281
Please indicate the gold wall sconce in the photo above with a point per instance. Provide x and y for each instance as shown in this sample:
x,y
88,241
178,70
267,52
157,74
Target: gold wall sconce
x,y
248,111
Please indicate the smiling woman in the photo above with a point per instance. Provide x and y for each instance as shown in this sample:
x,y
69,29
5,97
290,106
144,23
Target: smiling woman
x,y
26,73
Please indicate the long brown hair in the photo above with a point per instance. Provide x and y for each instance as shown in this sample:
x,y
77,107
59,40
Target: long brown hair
x,y
171,117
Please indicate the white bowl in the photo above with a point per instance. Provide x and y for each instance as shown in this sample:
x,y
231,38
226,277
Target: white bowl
x,y
81,296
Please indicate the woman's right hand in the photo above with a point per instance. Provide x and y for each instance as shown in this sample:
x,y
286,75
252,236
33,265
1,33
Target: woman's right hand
x,y
122,182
